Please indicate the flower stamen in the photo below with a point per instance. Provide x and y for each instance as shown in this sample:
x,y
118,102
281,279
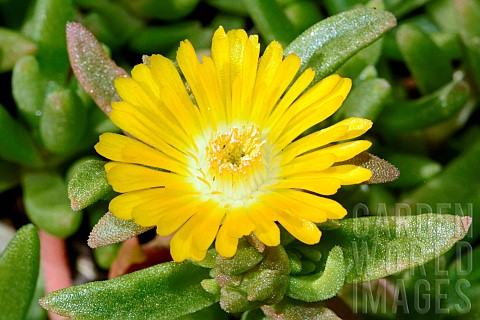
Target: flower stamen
x,y
235,151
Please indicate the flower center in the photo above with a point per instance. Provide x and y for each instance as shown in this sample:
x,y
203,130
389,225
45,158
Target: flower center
x,y
235,151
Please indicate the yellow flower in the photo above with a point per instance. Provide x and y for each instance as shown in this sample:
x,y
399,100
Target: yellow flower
x,y
217,154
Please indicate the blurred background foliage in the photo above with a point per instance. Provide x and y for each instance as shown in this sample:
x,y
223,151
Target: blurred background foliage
x,y
419,84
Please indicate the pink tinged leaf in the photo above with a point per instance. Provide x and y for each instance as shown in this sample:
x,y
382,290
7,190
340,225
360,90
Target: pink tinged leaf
x,y
382,170
91,65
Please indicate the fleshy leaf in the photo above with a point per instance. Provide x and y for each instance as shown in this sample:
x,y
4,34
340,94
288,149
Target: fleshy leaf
x,y
270,20
455,190
289,309
323,285
16,145
88,184
428,64
330,43
375,247
46,28
19,264
415,169
426,111
366,100
467,14
163,9
28,89
63,121
93,68
111,229
382,170
9,175
155,39
13,46
165,291
47,205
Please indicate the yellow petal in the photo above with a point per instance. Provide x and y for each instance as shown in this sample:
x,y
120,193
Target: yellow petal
x,y
306,119
266,230
280,202
151,212
122,205
303,230
225,244
310,142
308,163
189,64
356,127
130,177
343,151
321,185
330,208
348,174
293,93
148,128
174,94
195,236
143,75
125,149
343,130
174,218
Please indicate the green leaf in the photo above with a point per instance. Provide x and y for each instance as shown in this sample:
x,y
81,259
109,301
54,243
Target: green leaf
x,y
323,285
156,39
93,68
47,205
163,9
330,43
367,57
213,312
467,13
400,7
16,144
28,89
111,229
63,121
9,175
113,23
298,310
302,14
19,264
426,111
229,6
165,291
375,247
47,28
455,190
88,184
271,21
415,169
429,66
245,259
13,46
366,100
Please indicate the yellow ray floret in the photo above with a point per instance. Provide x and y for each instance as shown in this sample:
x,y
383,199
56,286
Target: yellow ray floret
x,y
216,148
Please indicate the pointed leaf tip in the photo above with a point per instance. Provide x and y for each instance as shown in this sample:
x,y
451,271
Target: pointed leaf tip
x,y
93,68
88,184
111,229
382,170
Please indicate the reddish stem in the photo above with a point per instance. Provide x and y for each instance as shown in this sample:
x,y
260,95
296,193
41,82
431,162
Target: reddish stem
x,y
55,266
